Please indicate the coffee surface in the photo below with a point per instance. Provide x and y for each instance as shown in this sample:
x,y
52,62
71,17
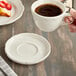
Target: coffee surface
x,y
48,10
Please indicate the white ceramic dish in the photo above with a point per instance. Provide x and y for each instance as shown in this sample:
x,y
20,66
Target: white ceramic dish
x,y
27,48
16,12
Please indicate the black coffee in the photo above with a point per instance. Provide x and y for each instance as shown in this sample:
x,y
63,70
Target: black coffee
x,y
48,10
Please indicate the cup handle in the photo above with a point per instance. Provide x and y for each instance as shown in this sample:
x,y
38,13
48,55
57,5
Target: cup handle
x,y
65,2
66,15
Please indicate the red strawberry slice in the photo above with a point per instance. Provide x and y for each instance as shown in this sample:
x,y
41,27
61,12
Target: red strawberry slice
x,y
4,2
2,5
8,6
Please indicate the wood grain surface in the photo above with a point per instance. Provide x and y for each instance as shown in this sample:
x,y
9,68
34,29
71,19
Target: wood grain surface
x,y
62,60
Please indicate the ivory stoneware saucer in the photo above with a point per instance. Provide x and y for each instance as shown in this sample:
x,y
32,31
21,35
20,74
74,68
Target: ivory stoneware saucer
x,y
27,48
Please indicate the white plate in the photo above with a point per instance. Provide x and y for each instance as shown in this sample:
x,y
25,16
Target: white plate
x,y
27,48
16,12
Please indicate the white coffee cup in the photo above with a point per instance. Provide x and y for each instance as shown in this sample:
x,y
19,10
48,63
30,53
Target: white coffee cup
x,y
48,24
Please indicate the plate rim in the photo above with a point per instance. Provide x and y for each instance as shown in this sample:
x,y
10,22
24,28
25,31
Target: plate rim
x,y
18,17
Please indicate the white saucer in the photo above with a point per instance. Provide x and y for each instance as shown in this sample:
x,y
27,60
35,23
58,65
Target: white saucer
x,y
16,12
27,48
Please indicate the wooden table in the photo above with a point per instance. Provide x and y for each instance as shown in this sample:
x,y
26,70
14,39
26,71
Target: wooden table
x,y
62,60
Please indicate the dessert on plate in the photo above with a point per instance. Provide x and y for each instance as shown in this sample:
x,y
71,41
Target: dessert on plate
x,y
5,8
